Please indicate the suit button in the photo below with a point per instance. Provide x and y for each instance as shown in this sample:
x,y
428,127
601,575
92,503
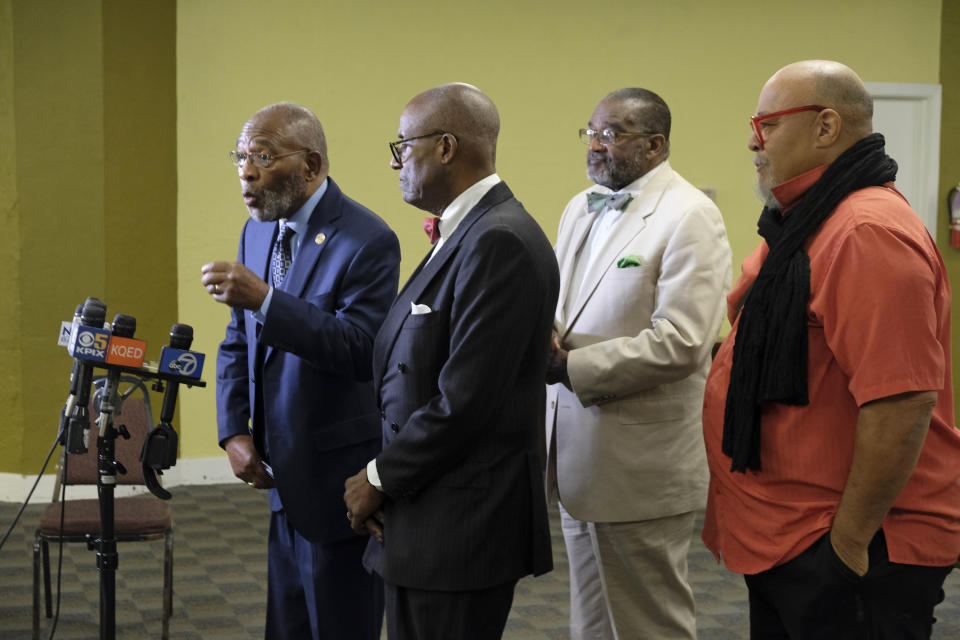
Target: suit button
x,y
383,414
394,427
401,367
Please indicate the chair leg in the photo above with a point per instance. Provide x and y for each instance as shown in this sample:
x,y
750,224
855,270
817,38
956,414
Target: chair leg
x,y
36,586
47,591
167,583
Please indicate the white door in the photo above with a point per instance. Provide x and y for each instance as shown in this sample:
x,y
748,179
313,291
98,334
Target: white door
x,y
908,115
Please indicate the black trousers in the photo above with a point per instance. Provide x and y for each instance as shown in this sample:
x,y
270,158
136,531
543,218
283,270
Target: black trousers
x,y
417,614
815,596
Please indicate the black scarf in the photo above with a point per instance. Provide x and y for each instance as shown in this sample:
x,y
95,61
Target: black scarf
x,y
770,351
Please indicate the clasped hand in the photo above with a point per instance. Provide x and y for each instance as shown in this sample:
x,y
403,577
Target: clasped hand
x,y
363,500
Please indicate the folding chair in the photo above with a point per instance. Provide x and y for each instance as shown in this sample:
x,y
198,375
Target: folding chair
x,y
136,518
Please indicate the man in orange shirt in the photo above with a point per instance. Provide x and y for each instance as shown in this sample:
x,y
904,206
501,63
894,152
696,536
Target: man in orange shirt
x,y
828,416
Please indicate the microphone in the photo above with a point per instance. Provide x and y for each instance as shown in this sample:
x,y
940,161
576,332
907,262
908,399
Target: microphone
x,y
160,448
87,338
121,341
74,380
181,337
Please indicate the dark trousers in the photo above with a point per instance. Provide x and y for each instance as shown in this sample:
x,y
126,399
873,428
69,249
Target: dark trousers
x,y
319,591
815,596
416,614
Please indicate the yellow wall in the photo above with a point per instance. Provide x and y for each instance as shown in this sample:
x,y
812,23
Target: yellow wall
x,y
950,159
545,64
116,117
11,436
87,167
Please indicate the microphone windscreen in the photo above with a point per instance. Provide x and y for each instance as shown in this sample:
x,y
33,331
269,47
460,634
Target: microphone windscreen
x,y
181,336
124,326
94,313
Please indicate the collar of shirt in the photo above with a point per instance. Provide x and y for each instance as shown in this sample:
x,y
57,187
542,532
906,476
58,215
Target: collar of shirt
x,y
789,192
298,221
463,203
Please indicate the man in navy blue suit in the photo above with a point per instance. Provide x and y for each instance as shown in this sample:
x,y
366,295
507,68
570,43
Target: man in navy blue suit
x,y
456,497
314,277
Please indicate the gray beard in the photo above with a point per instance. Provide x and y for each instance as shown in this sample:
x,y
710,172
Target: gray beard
x,y
765,194
615,176
279,201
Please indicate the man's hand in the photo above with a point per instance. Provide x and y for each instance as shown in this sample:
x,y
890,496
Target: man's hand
x,y
246,462
234,284
363,500
852,554
890,436
557,362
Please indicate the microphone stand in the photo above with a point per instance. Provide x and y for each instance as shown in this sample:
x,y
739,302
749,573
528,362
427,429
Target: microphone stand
x,y
107,467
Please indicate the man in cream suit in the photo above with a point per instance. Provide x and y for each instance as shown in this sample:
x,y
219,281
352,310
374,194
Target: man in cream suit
x,y
644,266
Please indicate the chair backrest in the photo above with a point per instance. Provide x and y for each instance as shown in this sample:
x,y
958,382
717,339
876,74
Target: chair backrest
x,y
136,415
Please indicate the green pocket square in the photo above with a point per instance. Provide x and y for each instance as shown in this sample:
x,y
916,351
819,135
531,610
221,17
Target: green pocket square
x,y
629,261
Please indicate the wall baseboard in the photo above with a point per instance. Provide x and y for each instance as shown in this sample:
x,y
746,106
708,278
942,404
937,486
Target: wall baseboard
x,y
14,487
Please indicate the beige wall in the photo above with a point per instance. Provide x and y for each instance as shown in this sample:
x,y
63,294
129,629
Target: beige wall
x,y
116,118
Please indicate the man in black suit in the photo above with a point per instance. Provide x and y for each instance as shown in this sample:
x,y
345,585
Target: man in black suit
x,y
455,499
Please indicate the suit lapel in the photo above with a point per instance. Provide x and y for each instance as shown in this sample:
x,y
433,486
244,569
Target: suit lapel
x,y
581,229
631,223
421,279
321,227
258,247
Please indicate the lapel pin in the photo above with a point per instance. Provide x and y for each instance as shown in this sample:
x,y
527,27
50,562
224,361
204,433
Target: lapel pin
x,y
320,238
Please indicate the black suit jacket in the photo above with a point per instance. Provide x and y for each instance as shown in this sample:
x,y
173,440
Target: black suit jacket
x,y
460,391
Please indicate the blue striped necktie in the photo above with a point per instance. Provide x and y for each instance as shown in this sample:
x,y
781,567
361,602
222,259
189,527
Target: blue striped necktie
x,y
282,256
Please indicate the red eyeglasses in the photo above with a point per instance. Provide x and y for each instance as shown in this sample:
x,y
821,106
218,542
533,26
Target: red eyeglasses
x,y
756,120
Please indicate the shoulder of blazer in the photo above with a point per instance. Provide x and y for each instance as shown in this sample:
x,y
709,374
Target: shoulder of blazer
x,y
498,200
350,213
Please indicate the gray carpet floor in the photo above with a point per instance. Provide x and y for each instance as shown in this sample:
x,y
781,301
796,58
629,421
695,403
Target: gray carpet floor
x,y
220,570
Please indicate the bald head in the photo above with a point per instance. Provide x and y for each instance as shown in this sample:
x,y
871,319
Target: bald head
x,y
297,126
804,137
833,85
464,111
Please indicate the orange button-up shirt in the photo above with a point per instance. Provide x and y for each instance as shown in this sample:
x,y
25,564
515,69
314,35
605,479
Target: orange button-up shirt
x,y
879,325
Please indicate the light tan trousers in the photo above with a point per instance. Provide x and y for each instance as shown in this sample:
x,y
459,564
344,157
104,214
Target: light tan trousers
x,y
628,580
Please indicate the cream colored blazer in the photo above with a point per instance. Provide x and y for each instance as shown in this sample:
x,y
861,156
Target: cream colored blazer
x,y
626,443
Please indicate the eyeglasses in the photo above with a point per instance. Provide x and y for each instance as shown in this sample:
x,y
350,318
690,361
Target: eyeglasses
x,y
261,160
756,120
398,147
609,136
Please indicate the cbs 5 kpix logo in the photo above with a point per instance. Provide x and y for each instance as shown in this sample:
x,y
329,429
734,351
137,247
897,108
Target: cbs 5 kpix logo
x,y
90,344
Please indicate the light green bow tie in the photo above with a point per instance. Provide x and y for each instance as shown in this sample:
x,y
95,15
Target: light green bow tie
x,y
617,201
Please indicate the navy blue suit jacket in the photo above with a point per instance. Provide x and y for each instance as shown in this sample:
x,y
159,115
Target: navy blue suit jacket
x,y
301,381
461,391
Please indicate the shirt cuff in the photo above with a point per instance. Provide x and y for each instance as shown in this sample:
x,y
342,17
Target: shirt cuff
x,y
373,477
260,315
